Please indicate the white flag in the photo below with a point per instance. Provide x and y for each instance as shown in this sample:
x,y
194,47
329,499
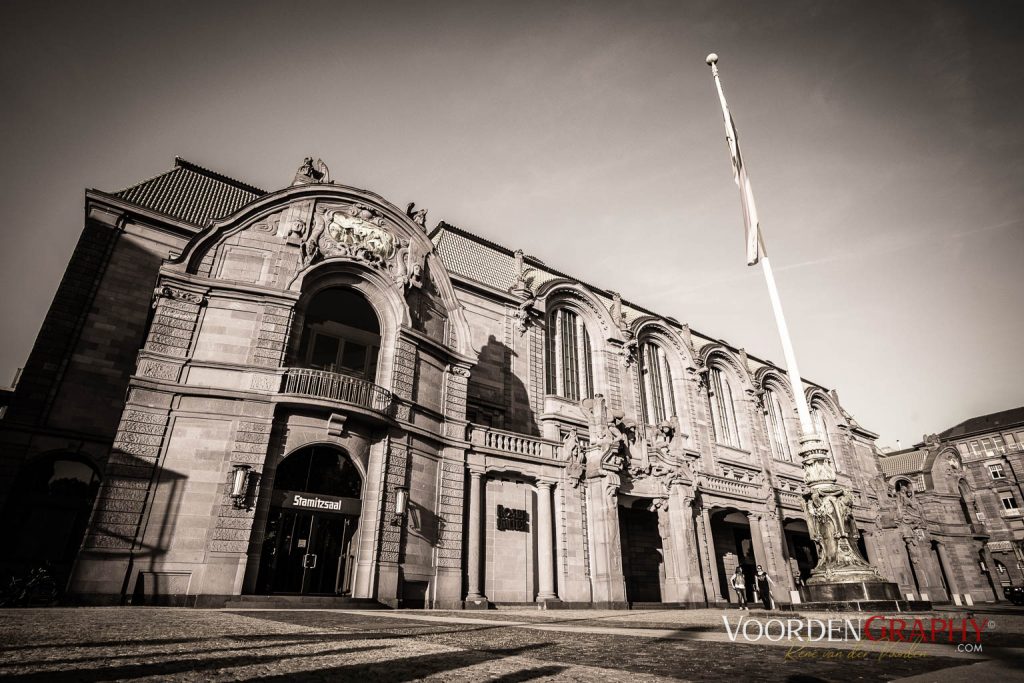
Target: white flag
x,y
752,229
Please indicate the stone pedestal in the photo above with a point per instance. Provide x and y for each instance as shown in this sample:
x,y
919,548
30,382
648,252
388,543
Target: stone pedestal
x,y
845,592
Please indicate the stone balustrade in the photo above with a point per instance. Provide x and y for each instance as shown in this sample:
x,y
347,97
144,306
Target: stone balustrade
x,y
734,487
501,441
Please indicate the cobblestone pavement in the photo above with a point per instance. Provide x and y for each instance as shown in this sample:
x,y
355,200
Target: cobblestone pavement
x,y
107,644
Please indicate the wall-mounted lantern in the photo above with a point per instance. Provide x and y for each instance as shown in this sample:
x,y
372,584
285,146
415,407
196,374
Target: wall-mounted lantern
x,y
401,505
240,485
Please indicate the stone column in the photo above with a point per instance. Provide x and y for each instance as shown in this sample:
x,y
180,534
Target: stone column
x,y
754,520
545,543
473,547
947,570
709,540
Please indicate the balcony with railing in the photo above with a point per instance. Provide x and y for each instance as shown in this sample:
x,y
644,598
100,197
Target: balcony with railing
x,y
333,386
511,443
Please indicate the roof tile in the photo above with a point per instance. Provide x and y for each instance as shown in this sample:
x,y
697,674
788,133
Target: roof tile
x,y
191,193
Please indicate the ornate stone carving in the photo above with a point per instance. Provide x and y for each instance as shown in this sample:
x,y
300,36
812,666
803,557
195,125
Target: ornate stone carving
x,y
311,172
525,314
458,371
575,458
360,233
178,294
669,439
407,268
908,507
629,349
828,508
418,216
355,232
618,316
158,370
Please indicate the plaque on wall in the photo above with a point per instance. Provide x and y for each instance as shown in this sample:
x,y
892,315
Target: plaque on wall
x,y
510,519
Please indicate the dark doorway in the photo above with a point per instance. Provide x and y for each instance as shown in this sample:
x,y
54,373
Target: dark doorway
x,y
803,557
308,546
641,552
734,547
47,514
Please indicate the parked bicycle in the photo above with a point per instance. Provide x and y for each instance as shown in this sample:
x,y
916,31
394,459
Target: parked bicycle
x,y
37,588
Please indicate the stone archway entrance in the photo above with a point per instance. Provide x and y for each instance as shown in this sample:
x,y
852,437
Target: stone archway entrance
x,y
643,563
734,547
308,546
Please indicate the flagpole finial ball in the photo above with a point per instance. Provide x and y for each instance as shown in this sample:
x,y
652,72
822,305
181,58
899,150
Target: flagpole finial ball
x,y
712,59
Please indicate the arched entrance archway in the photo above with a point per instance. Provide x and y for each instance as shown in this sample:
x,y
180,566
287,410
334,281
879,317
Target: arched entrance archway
x,y
308,546
46,516
734,547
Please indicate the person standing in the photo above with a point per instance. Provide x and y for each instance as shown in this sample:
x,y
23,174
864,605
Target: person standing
x,y
763,584
739,584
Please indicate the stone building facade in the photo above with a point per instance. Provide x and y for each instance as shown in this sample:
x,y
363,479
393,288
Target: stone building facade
x,y
239,392
958,500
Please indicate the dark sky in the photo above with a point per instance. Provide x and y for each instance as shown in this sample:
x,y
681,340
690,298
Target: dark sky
x,y
884,142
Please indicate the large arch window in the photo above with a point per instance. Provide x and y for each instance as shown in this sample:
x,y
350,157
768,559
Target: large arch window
x,y
723,410
821,427
774,421
656,384
341,334
570,373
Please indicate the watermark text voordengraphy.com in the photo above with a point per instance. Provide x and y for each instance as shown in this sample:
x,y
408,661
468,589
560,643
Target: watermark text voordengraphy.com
x,y
964,632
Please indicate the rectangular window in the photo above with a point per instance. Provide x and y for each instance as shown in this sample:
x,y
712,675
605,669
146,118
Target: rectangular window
x,y
976,449
999,444
986,445
325,352
1009,505
996,471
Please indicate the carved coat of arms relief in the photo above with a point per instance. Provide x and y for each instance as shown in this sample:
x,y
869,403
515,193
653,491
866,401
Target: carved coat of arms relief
x,y
360,233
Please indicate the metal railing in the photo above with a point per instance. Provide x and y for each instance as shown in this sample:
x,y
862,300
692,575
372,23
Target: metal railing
x,y
336,387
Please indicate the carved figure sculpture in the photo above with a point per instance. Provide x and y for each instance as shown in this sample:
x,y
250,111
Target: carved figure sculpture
x,y
418,216
574,456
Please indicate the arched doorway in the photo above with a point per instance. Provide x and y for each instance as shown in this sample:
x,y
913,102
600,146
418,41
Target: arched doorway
x,y
309,544
734,547
48,512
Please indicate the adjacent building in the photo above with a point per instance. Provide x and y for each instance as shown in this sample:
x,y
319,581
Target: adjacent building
x,y
305,392
966,484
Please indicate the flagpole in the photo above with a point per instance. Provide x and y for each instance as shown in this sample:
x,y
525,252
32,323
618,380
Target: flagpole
x,y
828,505
802,410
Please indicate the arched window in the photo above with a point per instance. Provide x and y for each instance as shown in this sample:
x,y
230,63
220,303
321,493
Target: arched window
x,y
821,427
774,421
341,334
723,412
569,370
656,384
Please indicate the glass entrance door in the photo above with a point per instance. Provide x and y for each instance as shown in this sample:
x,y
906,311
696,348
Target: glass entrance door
x,y
307,553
